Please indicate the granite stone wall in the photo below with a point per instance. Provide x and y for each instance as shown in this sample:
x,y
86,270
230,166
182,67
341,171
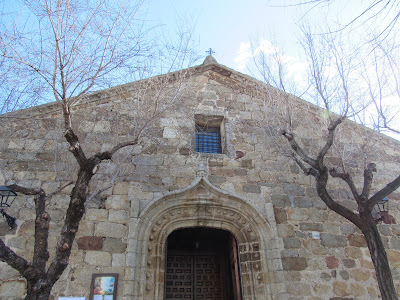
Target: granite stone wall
x,y
307,251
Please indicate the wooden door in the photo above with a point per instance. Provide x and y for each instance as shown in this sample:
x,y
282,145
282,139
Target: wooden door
x,y
179,277
208,278
196,277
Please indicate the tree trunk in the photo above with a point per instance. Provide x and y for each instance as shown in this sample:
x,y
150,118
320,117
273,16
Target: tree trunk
x,y
380,261
33,293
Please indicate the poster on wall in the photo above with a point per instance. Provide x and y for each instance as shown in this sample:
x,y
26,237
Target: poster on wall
x,y
104,286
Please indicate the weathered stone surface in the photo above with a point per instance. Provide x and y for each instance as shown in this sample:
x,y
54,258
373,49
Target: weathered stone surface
x,y
217,179
302,202
5,229
299,289
280,200
96,214
280,215
333,240
357,240
252,189
15,289
293,189
107,229
340,288
360,275
290,243
349,263
118,259
344,274
90,243
279,209
98,258
114,245
321,288
311,226
332,262
7,272
294,263
354,252
357,289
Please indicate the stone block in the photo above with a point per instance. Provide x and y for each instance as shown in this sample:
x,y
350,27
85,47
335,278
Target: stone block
x,y
395,243
118,260
347,229
360,275
17,242
86,228
240,172
114,245
344,274
94,214
90,243
217,179
333,240
291,243
299,289
148,160
311,227
340,288
280,215
294,263
366,264
357,290
354,252
7,272
121,188
107,229
302,202
293,189
118,216
117,202
98,258
332,262
246,163
321,288
357,240
252,188
15,289
280,200
349,263
285,230
5,229
102,126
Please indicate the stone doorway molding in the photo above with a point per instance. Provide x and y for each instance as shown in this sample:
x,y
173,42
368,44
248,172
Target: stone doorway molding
x,y
201,204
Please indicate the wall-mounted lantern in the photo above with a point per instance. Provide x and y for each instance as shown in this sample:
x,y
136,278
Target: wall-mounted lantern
x,y
381,211
7,198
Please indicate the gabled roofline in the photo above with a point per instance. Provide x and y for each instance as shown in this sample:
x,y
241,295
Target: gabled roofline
x,y
209,64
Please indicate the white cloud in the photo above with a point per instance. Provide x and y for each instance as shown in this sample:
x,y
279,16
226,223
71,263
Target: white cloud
x,y
296,68
244,55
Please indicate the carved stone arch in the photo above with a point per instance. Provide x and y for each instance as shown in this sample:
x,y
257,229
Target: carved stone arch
x,y
203,205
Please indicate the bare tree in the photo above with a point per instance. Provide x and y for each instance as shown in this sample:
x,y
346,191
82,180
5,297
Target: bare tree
x,y
69,48
383,15
340,83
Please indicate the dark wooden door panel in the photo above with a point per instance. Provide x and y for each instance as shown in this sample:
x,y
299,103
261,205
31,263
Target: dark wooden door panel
x,y
179,277
208,279
195,277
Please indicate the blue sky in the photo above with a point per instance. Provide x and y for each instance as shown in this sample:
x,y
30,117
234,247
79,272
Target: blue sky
x,y
224,25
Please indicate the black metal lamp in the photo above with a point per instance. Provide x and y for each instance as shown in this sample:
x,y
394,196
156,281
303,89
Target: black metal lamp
x,y
7,198
381,210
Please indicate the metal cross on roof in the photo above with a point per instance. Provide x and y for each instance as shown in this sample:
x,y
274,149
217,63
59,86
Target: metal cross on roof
x,y
210,51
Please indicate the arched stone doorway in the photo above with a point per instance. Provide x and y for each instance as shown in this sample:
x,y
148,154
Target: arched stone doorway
x,y
202,263
202,205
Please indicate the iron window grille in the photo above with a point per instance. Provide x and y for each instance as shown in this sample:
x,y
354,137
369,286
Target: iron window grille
x,y
208,139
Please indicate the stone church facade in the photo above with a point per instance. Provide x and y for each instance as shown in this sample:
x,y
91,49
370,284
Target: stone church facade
x,y
178,223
